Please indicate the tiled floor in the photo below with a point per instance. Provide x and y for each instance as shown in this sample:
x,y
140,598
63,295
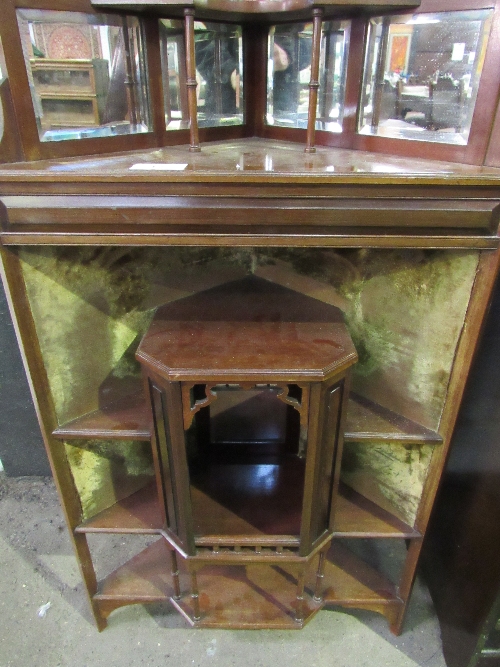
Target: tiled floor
x,y
37,567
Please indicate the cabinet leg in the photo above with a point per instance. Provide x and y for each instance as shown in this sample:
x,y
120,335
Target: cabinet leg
x,y
320,574
195,596
175,575
299,611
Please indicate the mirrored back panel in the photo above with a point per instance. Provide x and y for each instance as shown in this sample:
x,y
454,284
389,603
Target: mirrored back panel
x,y
289,74
87,73
173,65
219,73
421,75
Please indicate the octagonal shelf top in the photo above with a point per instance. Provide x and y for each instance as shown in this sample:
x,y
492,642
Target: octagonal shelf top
x,y
246,330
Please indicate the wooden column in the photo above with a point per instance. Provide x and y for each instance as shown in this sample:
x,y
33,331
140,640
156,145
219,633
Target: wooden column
x,y
130,82
314,81
379,72
191,81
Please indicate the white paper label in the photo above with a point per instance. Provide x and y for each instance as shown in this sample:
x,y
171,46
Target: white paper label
x,y
158,166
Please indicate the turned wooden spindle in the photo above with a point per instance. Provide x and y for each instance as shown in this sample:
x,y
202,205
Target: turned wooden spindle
x,y
130,81
299,611
175,574
314,81
320,574
191,82
195,597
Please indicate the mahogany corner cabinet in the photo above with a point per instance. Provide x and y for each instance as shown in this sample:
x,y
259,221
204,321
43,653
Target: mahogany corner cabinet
x,y
249,289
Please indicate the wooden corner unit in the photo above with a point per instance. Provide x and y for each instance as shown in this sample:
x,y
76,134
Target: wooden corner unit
x,y
255,274
92,249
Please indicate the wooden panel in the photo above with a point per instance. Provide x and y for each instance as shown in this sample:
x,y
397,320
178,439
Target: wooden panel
x,y
10,143
250,236
198,210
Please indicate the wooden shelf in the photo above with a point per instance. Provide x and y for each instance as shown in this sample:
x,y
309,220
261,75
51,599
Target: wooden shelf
x,y
348,582
249,499
368,421
144,578
138,513
356,516
126,419
351,582
246,596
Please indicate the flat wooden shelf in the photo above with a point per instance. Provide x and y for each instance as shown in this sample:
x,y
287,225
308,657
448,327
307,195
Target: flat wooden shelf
x,y
144,578
140,513
367,420
356,516
348,581
128,419
246,597
351,582
248,499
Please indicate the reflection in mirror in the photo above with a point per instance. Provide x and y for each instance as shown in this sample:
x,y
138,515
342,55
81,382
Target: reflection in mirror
x,y
3,66
173,65
87,73
289,72
422,75
219,71
3,83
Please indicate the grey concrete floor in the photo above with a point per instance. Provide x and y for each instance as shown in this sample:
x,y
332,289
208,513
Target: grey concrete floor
x,y
37,567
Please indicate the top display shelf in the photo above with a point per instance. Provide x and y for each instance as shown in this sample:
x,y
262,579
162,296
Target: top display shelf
x,y
252,160
242,10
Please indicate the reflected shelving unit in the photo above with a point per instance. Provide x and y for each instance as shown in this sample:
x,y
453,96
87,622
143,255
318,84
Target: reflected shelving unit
x,y
306,147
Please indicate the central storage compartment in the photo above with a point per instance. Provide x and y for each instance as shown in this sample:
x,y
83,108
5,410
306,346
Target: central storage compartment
x,y
244,464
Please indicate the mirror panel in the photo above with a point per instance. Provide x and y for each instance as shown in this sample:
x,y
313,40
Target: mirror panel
x,y
421,75
219,72
173,65
289,73
3,78
87,73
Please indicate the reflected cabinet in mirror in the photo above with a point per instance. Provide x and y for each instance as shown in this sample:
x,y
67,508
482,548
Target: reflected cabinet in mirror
x,y
87,74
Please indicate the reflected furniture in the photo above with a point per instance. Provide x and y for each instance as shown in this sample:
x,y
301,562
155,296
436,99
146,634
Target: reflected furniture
x,y
72,93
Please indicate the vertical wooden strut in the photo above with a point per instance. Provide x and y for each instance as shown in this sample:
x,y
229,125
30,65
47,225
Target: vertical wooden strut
x,y
379,72
175,574
191,80
130,82
314,81
299,611
195,597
